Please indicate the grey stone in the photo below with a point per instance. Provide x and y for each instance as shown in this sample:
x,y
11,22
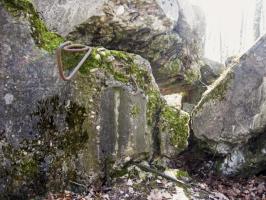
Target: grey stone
x,y
68,13
73,13
37,125
232,111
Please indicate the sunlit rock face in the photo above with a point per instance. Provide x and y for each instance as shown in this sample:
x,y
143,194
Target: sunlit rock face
x,y
232,114
231,26
167,33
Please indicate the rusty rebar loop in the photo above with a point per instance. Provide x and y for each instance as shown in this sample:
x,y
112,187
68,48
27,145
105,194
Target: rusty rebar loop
x,y
70,47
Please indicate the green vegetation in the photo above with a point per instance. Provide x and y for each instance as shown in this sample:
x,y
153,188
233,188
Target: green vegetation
x,y
171,68
181,173
155,103
123,69
41,35
177,125
191,76
59,147
135,111
29,168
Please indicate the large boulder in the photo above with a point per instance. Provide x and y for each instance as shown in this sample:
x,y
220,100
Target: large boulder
x,y
161,15
232,114
55,133
169,34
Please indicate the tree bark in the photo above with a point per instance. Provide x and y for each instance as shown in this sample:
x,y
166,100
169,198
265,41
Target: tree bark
x,y
257,18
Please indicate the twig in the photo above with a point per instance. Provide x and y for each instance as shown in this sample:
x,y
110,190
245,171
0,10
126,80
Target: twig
x,y
79,184
179,182
147,168
207,86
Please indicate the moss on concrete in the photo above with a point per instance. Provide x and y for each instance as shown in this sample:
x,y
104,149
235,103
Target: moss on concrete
x,y
161,44
123,68
41,35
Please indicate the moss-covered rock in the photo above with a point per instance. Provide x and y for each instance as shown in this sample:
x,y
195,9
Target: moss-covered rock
x,y
55,132
39,32
165,35
174,131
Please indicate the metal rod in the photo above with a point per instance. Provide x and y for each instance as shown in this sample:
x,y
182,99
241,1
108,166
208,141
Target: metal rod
x,y
68,46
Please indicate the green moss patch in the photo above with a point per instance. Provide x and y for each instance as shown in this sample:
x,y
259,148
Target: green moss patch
x,y
123,67
170,69
175,123
191,76
135,111
50,146
117,63
41,35
154,106
181,173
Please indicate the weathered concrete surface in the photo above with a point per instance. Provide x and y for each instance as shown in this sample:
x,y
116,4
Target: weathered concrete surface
x,y
54,132
169,34
232,112
123,124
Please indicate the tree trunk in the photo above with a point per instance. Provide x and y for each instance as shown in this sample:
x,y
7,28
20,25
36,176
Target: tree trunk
x,y
257,18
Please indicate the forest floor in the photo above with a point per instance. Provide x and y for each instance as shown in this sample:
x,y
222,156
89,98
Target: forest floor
x,y
144,185
161,189
191,175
